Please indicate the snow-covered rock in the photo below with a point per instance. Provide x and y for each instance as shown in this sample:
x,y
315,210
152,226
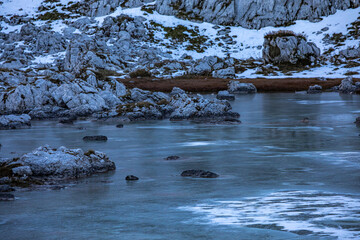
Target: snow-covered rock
x,y
238,87
224,73
289,49
46,164
15,121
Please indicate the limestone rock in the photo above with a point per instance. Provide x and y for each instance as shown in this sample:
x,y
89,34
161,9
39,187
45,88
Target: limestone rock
x,y
225,95
314,89
252,13
289,49
14,121
238,87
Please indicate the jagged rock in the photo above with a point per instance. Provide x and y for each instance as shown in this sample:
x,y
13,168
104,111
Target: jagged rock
x,y
120,89
204,66
238,87
46,164
350,53
253,13
198,107
176,91
199,174
95,138
225,95
224,73
347,86
14,121
131,178
22,171
289,49
314,89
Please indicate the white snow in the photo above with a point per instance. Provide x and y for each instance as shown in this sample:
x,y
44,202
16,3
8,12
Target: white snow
x,y
248,42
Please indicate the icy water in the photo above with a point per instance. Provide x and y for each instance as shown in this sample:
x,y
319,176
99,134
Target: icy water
x,y
279,178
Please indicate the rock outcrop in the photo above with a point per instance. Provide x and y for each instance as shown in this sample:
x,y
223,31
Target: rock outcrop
x,y
46,165
347,86
314,89
238,87
253,14
198,107
45,99
15,121
289,48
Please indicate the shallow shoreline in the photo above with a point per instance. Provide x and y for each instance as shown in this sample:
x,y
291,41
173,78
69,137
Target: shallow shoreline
x,y
210,85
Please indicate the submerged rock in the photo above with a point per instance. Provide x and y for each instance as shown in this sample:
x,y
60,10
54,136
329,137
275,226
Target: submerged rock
x,y
170,158
95,138
120,125
47,165
14,121
199,174
225,95
131,178
238,87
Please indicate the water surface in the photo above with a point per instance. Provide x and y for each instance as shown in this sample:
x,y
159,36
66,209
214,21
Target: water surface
x,y
279,178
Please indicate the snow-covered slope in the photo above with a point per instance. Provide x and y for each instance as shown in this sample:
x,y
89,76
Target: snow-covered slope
x,y
178,39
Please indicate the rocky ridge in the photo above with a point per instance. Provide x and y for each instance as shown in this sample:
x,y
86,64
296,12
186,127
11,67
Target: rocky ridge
x,y
253,13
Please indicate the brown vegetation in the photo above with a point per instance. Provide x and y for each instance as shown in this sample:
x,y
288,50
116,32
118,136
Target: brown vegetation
x,y
207,85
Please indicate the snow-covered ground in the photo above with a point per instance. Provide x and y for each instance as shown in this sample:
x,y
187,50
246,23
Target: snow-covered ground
x,y
246,43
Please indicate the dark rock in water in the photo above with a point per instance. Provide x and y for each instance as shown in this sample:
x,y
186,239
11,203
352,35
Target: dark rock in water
x,y
67,120
199,174
172,158
357,122
305,120
57,187
225,95
131,178
120,125
7,197
231,120
6,188
314,89
95,138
